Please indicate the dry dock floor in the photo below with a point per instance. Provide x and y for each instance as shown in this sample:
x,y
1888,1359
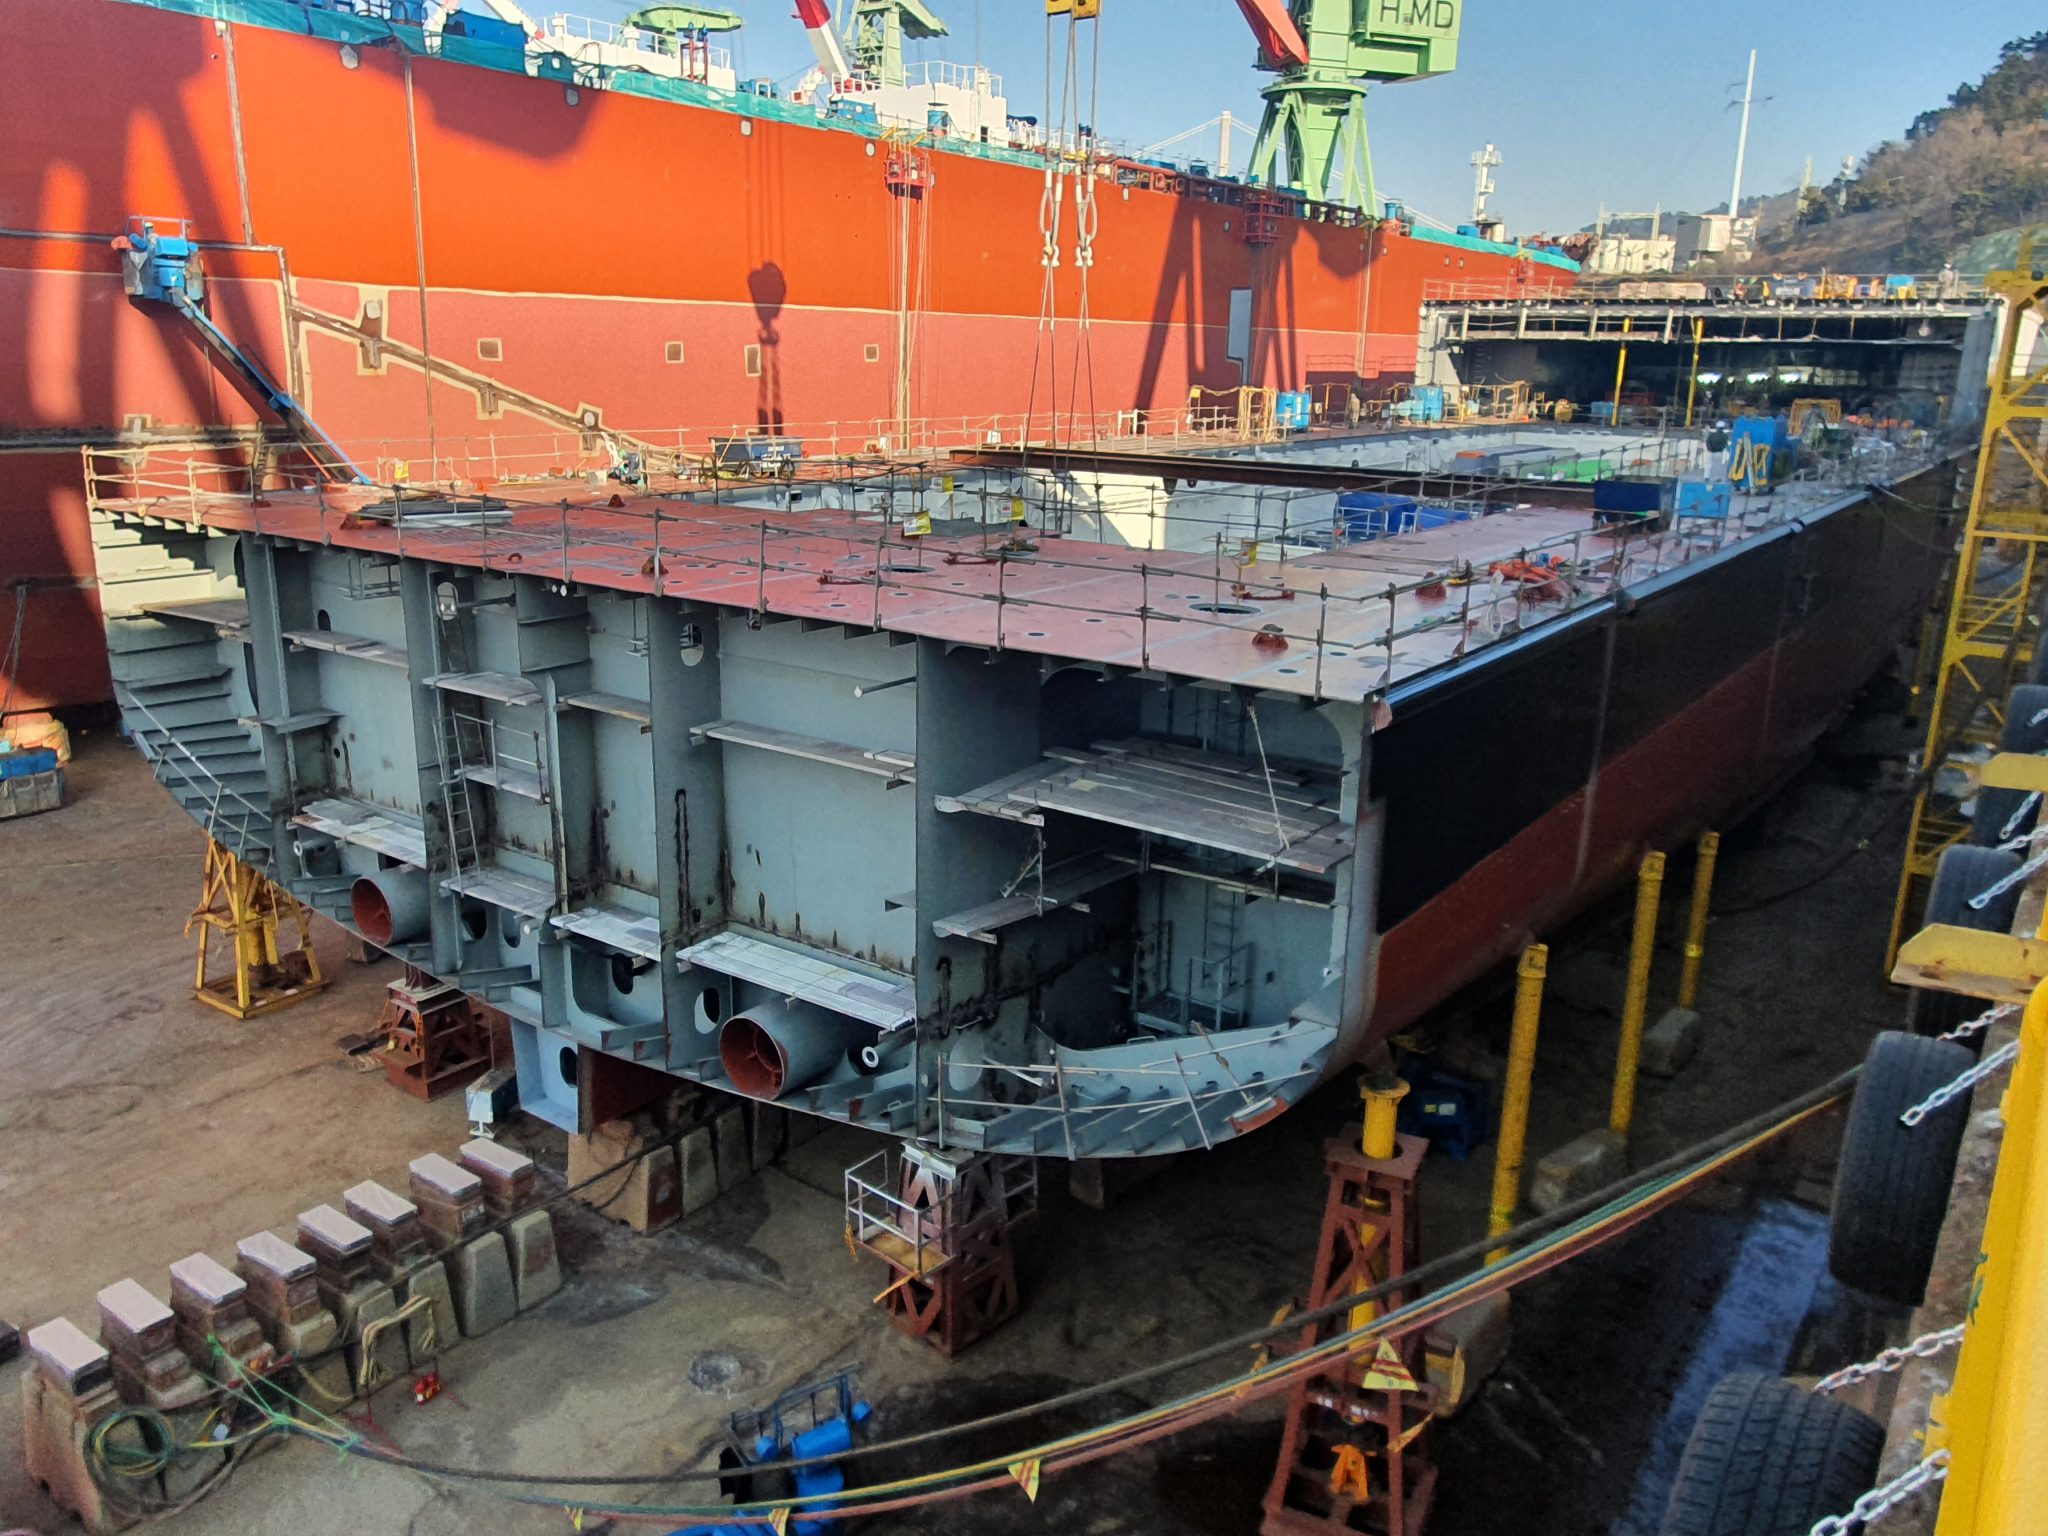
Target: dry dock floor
x,y
137,1125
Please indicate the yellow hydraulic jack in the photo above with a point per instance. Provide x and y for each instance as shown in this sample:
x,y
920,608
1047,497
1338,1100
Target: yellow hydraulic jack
x,y
247,911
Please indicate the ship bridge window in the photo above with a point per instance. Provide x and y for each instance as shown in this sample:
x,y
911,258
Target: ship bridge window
x,y
753,360
673,352
871,352
490,349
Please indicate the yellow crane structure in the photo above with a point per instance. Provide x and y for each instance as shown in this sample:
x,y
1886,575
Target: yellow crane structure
x,y
1993,629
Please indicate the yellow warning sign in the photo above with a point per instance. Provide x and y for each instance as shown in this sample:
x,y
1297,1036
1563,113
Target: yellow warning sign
x,y
918,524
1387,1373
1026,1473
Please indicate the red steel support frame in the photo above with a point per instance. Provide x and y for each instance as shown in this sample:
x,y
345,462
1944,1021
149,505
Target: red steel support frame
x,y
1343,1427
972,1290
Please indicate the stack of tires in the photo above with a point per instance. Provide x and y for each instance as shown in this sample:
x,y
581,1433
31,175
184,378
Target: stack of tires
x,y
1767,1458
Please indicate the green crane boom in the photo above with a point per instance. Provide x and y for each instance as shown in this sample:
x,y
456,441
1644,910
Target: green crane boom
x,y
1327,54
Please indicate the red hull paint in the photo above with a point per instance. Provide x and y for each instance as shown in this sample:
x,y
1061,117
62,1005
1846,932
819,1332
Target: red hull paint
x,y
469,206
1714,759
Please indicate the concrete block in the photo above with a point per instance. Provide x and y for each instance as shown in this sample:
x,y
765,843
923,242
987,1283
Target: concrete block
x,y
729,1146
484,1294
164,1381
1589,981
1098,1182
642,1189
767,1125
55,1424
398,1238
283,1287
66,1353
1577,1168
536,1268
507,1175
133,1322
1465,1348
1671,1042
435,1331
450,1198
322,1365
356,1311
699,1170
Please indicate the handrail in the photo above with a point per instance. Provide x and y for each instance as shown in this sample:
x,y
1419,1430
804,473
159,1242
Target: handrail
x,y
219,788
1298,613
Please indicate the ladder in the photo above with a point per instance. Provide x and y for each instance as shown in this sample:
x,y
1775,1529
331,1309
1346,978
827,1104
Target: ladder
x,y
464,847
1992,630
1222,970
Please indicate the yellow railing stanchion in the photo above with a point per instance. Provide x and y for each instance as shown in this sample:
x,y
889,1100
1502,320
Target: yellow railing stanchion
x,y
1696,920
1649,883
1514,1111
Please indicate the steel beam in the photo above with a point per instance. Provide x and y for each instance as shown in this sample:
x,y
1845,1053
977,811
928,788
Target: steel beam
x,y
1197,468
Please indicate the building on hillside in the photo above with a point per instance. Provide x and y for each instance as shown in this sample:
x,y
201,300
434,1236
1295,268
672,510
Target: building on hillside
x,y
1629,255
1706,236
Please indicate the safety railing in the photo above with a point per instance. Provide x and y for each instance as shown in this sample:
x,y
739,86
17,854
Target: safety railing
x,y
166,752
923,1237
1181,1083
973,78
566,26
755,532
1761,290
694,452
489,752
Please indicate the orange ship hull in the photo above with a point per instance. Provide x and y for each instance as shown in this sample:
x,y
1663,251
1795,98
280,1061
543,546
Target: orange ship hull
x,y
450,265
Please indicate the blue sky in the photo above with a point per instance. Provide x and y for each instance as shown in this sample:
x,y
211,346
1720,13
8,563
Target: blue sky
x,y
1624,101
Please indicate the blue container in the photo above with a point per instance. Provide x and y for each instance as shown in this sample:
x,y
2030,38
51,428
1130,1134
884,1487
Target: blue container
x,y
1367,515
1761,452
1290,410
1448,1110
1700,498
488,31
1644,495
19,765
1601,411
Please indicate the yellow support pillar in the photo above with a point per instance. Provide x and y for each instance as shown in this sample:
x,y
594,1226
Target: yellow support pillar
x,y
1649,883
1621,364
1382,1092
1514,1110
1692,380
1696,920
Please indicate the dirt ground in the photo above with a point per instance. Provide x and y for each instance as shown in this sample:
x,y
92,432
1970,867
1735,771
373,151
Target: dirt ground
x,y
137,1125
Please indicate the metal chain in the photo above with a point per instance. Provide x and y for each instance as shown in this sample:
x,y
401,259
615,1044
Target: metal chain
x,y
1998,1059
1985,897
1926,1347
2021,814
1879,1502
1983,1021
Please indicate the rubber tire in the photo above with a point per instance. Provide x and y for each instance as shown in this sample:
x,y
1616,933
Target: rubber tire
x,y
1892,1180
1961,873
1995,807
1766,1458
